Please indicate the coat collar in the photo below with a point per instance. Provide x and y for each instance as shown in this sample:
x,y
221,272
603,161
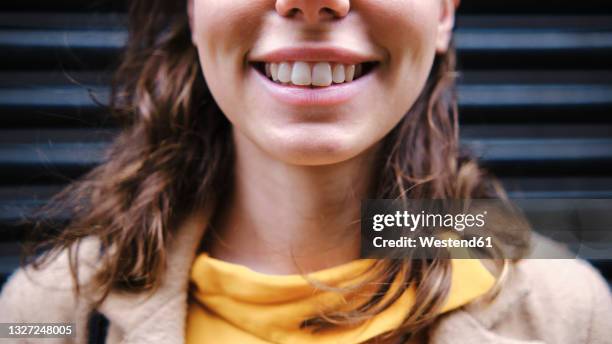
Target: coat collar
x,y
161,316
474,323
461,327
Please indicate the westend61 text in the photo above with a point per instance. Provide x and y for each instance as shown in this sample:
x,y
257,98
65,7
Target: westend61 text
x,y
432,242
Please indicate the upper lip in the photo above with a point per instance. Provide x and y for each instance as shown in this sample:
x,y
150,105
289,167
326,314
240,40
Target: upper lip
x,y
315,54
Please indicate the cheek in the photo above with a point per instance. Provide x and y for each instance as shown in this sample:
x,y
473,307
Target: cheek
x,y
221,28
223,31
407,29
400,20
220,19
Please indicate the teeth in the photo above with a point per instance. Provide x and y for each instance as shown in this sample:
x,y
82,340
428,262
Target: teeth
x,y
322,74
284,72
274,71
268,72
338,75
358,71
301,74
350,73
316,74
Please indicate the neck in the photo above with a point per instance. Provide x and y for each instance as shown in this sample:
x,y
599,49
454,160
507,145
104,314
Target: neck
x,y
284,219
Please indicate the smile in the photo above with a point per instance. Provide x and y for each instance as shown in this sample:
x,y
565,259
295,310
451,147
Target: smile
x,y
311,95
314,74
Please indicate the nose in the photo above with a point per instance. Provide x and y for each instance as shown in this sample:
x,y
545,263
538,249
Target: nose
x,y
313,11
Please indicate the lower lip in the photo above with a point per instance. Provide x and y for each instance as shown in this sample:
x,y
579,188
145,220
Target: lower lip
x,y
319,96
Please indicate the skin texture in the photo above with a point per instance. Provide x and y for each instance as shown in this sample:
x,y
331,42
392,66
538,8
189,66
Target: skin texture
x,y
301,171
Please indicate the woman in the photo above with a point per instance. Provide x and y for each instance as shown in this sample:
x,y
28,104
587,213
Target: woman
x,y
227,210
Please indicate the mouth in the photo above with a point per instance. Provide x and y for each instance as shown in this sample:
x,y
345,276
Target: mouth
x,y
319,74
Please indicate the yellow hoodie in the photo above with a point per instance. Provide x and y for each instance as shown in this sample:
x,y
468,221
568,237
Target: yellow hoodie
x,y
231,303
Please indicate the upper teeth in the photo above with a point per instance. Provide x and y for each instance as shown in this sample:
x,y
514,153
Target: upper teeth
x,y
312,73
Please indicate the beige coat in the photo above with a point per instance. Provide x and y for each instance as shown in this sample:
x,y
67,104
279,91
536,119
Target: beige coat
x,y
545,301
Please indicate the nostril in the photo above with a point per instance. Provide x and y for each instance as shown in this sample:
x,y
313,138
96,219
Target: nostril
x,y
326,11
293,12
313,11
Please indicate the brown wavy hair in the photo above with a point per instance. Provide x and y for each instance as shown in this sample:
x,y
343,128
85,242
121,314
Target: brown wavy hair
x,y
174,153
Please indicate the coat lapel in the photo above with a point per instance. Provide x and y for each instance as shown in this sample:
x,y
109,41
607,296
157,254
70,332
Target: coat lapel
x,y
475,323
462,328
160,317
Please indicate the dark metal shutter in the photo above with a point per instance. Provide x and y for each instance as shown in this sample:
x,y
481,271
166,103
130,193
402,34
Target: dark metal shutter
x,y
535,94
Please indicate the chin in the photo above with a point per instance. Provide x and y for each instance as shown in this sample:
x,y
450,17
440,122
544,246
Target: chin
x,y
315,147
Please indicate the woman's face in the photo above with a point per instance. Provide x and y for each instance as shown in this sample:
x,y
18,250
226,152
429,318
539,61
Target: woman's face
x,y
281,70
